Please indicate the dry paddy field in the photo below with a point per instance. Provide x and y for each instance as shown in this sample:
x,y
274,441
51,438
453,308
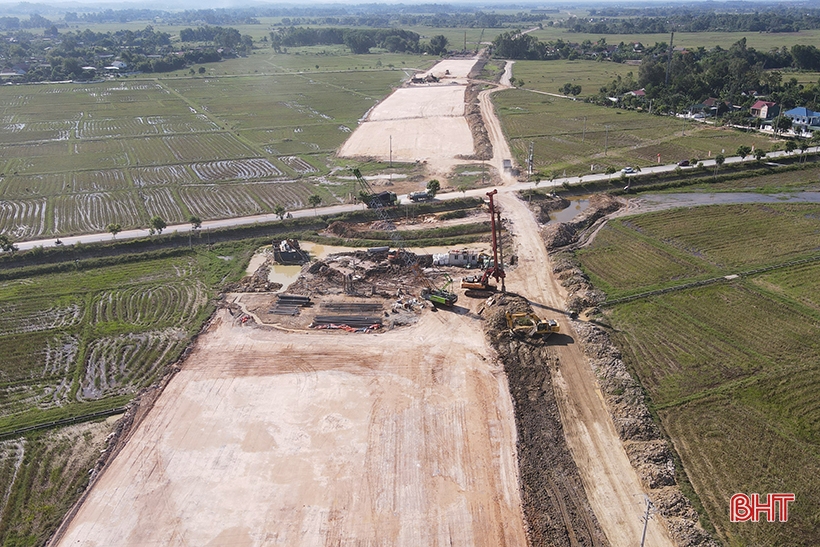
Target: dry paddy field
x,y
422,123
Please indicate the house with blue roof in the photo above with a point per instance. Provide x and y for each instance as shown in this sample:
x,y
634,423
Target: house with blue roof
x,y
803,118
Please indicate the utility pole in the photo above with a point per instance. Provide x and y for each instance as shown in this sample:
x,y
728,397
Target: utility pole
x,y
584,136
650,510
391,151
606,140
669,60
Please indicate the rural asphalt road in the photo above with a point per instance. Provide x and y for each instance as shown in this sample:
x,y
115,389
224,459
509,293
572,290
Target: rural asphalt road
x,y
335,209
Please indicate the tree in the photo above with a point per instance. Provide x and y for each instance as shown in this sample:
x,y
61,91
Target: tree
x,y
783,123
719,160
114,229
7,244
156,225
433,187
438,45
790,146
743,151
803,147
463,189
610,171
315,200
196,222
760,154
279,210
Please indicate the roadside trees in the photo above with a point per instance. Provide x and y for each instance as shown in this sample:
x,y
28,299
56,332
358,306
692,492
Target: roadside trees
x,y
719,160
156,225
114,229
433,187
743,151
315,200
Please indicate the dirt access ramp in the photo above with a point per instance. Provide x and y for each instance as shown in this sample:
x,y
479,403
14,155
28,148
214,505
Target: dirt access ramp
x,y
268,437
423,123
611,483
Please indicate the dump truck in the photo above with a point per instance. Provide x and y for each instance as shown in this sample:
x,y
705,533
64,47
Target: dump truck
x,y
416,197
529,324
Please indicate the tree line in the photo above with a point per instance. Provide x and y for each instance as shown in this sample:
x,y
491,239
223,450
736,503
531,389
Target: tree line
x,y
63,56
775,20
357,40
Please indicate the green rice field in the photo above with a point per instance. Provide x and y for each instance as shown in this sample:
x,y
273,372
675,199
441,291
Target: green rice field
x,y
731,368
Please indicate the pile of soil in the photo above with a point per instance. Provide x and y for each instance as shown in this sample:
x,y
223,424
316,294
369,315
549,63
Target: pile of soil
x,y
363,274
581,295
554,500
649,453
482,147
568,234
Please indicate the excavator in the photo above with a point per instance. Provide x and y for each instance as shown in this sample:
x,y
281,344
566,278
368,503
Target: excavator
x,y
480,285
529,324
439,296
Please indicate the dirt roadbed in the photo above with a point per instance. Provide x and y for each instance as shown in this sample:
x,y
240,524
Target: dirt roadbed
x,y
284,438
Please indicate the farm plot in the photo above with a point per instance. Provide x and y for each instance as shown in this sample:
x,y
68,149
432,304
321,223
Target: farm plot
x,y
24,218
246,169
567,133
111,180
83,213
33,131
672,367
39,149
121,364
619,254
728,447
298,164
146,306
102,331
736,236
732,368
209,146
40,477
144,126
162,202
161,175
27,186
800,283
292,195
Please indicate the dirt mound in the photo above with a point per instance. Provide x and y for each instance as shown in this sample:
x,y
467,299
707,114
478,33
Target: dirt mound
x,y
342,229
581,295
649,453
555,503
482,147
564,234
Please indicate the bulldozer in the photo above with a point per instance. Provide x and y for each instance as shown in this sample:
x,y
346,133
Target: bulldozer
x,y
529,324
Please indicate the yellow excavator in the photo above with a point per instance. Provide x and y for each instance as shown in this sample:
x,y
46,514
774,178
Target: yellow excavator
x,y
529,324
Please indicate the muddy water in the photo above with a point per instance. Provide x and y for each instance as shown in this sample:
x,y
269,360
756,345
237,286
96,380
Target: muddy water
x,y
576,207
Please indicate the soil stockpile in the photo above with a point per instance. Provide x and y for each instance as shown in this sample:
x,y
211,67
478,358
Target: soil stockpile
x,y
555,503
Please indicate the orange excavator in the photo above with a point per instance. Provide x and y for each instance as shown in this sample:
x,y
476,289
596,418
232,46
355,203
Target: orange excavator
x,y
480,285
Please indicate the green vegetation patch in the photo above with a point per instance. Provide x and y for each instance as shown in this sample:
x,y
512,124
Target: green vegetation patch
x,y
736,236
729,447
731,368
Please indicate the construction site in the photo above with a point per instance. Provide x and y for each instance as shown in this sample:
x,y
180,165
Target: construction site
x,y
397,396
